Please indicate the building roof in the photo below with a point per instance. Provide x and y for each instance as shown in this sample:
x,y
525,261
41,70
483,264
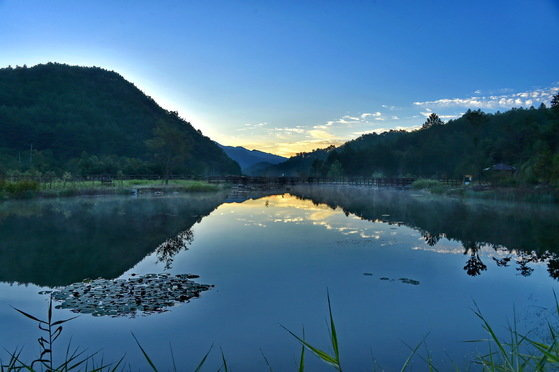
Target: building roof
x,y
501,167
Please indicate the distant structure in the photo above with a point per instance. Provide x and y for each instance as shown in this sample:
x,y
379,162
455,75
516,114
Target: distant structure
x,y
501,167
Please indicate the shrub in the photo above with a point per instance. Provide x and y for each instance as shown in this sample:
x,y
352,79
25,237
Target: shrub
x,y
24,188
423,183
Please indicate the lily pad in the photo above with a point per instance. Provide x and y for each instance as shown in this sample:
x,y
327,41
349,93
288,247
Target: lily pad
x,y
147,294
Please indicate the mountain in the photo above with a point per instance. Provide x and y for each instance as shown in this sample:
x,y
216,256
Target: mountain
x,y
527,139
87,120
296,166
251,160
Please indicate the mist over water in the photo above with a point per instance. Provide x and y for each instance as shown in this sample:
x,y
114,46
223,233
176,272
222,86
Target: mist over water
x,y
398,266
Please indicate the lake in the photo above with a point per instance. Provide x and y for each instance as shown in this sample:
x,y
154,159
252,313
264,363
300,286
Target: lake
x,y
400,268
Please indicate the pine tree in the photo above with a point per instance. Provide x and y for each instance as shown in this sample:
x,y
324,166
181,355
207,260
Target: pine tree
x,y
555,102
432,121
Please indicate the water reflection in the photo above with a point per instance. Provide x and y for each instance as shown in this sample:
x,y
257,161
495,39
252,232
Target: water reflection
x,y
59,242
522,234
167,250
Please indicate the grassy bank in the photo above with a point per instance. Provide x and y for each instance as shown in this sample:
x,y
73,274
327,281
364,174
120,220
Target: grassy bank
x,y
25,189
536,194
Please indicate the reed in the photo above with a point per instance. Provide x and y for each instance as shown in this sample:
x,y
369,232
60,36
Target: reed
x,y
514,352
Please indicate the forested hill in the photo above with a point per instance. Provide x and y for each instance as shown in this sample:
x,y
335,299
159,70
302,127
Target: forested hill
x,y
56,117
251,160
527,139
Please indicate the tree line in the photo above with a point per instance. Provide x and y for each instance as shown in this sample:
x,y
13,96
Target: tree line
x,y
525,138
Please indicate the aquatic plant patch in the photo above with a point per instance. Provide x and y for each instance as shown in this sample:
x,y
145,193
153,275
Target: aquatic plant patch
x,y
147,294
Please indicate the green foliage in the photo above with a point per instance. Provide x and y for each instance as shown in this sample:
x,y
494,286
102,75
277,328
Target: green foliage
x,y
555,102
432,121
20,189
91,121
170,146
336,170
423,183
516,354
333,358
527,139
519,352
52,329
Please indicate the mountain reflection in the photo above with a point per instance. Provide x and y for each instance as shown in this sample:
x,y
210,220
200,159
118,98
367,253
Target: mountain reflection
x,y
58,242
522,235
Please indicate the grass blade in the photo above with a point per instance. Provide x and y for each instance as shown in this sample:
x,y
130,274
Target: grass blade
x,y
302,357
146,356
319,353
266,361
333,334
199,366
29,316
225,368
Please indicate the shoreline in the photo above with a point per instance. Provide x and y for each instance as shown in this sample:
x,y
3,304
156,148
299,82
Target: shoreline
x,y
87,188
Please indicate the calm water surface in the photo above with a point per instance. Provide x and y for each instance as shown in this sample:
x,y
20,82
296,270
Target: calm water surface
x,y
399,268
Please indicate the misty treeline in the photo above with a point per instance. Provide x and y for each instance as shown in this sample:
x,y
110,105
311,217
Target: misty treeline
x,y
526,138
59,119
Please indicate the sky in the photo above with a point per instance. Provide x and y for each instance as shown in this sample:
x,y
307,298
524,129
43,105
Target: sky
x,y
291,76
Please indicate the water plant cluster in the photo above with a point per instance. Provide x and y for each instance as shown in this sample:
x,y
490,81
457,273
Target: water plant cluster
x,y
151,293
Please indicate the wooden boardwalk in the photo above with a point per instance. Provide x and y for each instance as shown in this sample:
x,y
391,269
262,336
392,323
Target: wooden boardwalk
x,y
363,181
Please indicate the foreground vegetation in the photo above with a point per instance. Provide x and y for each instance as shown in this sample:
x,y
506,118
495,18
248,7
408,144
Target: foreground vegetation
x,y
523,193
516,352
28,188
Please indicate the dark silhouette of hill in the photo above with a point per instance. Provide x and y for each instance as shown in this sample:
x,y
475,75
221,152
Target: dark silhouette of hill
x,y
89,120
251,160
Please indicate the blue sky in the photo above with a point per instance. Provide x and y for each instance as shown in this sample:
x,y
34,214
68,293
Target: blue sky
x,y
289,76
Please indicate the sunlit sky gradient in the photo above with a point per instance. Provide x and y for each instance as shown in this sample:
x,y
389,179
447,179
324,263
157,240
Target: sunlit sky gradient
x,y
290,76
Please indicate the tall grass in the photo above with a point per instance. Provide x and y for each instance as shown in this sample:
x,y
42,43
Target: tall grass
x,y
74,359
515,352
518,352
60,188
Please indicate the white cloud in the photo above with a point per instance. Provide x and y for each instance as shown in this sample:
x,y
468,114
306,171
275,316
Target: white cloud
x,y
373,114
321,134
249,126
524,99
290,130
389,107
352,118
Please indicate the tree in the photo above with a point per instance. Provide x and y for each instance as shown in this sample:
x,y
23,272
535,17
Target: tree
x,y
171,146
316,167
336,170
555,102
432,121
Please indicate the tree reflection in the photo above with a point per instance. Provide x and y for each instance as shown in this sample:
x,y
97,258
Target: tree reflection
x,y
167,250
431,239
523,260
474,265
520,235
553,268
502,262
